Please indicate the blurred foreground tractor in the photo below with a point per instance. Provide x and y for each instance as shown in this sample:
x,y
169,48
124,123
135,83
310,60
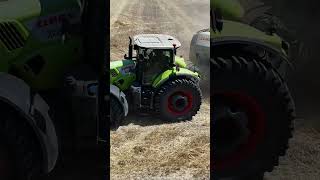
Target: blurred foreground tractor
x,y
155,80
54,91
253,110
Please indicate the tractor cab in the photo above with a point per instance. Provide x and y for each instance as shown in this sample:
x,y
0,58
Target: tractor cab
x,y
155,53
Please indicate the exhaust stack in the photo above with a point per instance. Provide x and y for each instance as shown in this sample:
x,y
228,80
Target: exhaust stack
x,y
130,48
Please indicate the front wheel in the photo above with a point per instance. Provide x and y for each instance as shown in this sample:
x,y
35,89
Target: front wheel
x,y
117,113
20,152
178,100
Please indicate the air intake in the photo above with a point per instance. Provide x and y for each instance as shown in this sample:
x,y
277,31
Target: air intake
x,y
10,36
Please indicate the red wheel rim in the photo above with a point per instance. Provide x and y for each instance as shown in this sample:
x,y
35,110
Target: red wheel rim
x,y
186,109
256,124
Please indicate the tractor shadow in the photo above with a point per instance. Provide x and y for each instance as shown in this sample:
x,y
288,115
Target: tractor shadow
x,y
144,120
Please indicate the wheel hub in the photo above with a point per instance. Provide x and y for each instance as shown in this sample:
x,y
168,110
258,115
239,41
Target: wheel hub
x,y
236,124
239,123
180,102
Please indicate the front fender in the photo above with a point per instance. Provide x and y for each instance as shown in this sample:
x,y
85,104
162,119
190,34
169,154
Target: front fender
x,y
115,91
89,89
16,94
168,74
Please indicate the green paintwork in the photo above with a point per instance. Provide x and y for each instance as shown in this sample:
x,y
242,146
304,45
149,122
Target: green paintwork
x,y
57,56
232,13
230,9
19,10
121,63
180,62
240,30
128,78
172,72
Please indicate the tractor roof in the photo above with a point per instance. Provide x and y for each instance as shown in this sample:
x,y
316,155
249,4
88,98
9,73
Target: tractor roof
x,y
156,41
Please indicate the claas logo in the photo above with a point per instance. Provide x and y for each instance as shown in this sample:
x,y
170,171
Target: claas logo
x,y
54,20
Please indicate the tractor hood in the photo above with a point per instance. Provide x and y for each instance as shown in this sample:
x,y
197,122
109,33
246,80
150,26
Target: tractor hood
x,y
122,73
121,63
19,9
239,31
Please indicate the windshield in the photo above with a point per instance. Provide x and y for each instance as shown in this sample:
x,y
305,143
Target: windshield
x,y
154,55
155,61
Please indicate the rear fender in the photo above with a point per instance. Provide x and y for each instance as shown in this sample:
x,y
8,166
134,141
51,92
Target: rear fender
x,y
279,62
173,73
16,94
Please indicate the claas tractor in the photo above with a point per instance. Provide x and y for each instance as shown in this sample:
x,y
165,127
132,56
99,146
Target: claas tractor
x,y
253,110
54,83
155,80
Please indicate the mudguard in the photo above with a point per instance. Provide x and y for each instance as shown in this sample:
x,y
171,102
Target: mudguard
x,y
18,95
168,74
231,9
235,30
115,91
242,34
89,89
180,62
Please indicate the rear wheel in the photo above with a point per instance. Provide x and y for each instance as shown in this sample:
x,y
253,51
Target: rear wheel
x,y
20,153
178,100
253,115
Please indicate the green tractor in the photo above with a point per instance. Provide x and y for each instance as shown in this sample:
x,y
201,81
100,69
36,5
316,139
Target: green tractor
x,y
253,111
155,80
45,45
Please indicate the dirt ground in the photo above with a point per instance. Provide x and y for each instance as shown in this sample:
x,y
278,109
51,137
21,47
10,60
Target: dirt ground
x,y
302,159
145,148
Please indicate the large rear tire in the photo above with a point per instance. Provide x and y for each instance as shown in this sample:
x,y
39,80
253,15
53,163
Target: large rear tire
x,y
178,100
253,116
20,153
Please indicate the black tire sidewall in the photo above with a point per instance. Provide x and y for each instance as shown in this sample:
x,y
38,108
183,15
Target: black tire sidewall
x,y
22,143
116,112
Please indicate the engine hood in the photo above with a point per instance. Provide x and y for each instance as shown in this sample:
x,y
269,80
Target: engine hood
x,y
19,9
121,63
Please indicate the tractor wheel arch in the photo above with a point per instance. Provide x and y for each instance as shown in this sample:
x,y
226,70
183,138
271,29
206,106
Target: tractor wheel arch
x,y
184,74
121,97
237,44
16,95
